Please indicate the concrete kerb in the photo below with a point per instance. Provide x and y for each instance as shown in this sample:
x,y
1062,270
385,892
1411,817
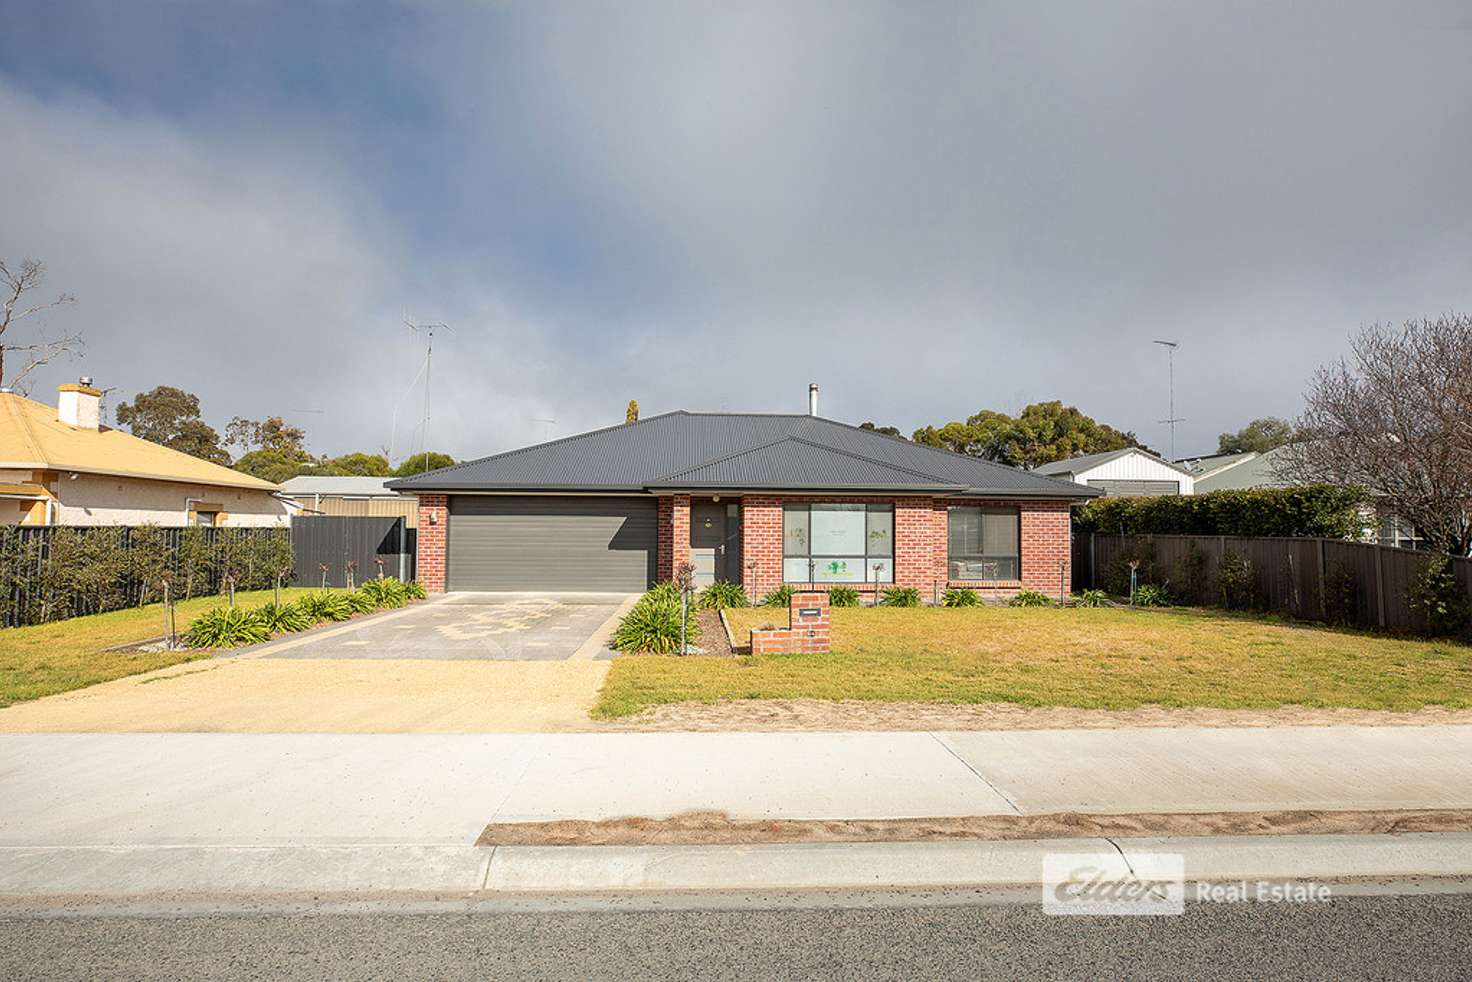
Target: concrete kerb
x,y
103,871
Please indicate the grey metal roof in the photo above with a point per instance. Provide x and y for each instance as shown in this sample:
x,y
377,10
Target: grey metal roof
x,y
794,463
356,486
651,453
1256,471
1211,463
1088,461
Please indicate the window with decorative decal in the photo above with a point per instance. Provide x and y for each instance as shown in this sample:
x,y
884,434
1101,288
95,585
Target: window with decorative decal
x,y
826,542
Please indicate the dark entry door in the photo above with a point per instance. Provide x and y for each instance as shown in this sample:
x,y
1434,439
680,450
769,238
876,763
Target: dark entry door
x,y
715,541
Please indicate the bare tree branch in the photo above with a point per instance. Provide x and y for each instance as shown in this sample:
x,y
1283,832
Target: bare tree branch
x,y
15,284
1394,417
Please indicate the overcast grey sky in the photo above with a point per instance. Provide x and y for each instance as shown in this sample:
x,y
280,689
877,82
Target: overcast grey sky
x,y
929,209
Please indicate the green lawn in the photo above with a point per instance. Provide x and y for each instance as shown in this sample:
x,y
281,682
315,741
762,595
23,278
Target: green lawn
x,y
49,658
1101,658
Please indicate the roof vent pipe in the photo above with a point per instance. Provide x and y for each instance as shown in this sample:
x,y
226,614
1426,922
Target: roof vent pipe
x,y
812,398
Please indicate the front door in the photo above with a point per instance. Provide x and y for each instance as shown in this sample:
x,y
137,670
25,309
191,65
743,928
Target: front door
x,y
715,542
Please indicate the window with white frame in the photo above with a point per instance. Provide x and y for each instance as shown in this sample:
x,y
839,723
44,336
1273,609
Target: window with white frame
x,y
983,543
825,542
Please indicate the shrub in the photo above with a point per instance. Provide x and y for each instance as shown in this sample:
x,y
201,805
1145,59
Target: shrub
x,y
1150,595
414,590
1091,598
960,597
226,627
283,618
1325,510
666,590
1436,596
359,602
1235,580
326,606
900,596
1030,598
1136,557
385,592
720,595
843,596
780,597
653,624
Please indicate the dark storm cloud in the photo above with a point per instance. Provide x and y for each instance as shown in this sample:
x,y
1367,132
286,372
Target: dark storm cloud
x,y
929,211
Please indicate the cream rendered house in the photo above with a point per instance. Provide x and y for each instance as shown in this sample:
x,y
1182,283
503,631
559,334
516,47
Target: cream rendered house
x,y
61,466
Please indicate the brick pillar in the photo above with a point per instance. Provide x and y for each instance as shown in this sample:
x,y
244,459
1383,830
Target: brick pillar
x,y
429,560
761,544
807,631
1046,527
674,535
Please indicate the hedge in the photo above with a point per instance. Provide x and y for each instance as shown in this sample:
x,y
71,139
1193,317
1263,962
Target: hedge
x,y
1323,510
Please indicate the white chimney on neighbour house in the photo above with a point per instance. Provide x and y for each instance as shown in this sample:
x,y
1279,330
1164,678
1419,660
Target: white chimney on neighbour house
x,y
812,398
79,404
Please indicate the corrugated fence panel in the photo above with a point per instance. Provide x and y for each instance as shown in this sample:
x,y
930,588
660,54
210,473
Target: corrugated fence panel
x,y
335,546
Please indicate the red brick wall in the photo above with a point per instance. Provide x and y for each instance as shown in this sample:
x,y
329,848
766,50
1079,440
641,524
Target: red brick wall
x,y
920,543
674,535
761,544
430,561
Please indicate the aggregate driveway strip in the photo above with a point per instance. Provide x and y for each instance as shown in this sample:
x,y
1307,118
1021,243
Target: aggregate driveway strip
x,y
515,629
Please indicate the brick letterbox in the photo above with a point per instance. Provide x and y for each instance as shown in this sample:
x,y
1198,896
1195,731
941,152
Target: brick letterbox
x,y
807,628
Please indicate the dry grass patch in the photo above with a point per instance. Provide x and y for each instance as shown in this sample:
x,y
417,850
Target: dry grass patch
x,y
45,659
1085,658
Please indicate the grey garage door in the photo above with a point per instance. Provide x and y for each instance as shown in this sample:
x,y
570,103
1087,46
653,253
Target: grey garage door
x,y
498,542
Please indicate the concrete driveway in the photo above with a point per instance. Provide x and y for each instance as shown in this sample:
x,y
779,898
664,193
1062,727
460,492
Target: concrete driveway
x,y
466,663
475,626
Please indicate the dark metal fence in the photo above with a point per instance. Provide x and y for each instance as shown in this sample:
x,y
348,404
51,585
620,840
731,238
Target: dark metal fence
x,y
336,541
1315,579
56,572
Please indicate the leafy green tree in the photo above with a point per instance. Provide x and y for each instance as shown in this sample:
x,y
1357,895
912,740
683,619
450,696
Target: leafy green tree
x,y
886,430
1042,433
1261,435
631,414
271,465
355,465
170,416
421,462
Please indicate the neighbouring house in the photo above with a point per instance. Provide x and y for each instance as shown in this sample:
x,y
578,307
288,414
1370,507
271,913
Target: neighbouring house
x,y
1241,471
759,500
60,466
356,497
1129,471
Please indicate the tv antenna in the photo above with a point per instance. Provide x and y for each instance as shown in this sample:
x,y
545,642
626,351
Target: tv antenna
x,y
1173,419
550,424
427,331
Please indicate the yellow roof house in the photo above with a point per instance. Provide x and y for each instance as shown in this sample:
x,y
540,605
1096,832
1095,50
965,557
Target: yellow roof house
x,y
60,466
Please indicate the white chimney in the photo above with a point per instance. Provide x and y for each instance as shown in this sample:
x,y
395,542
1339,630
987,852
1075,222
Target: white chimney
x,y
812,398
79,404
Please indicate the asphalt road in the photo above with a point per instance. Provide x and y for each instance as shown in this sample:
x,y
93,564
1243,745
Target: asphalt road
x,y
932,936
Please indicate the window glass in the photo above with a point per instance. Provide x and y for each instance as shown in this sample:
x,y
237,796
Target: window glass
x,y
984,543
881,531
829,542
794,530
838,530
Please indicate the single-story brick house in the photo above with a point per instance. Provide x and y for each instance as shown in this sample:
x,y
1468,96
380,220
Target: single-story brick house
x,y
749,498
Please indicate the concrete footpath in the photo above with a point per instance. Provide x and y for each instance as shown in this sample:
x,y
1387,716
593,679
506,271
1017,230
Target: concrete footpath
x,y
111,813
